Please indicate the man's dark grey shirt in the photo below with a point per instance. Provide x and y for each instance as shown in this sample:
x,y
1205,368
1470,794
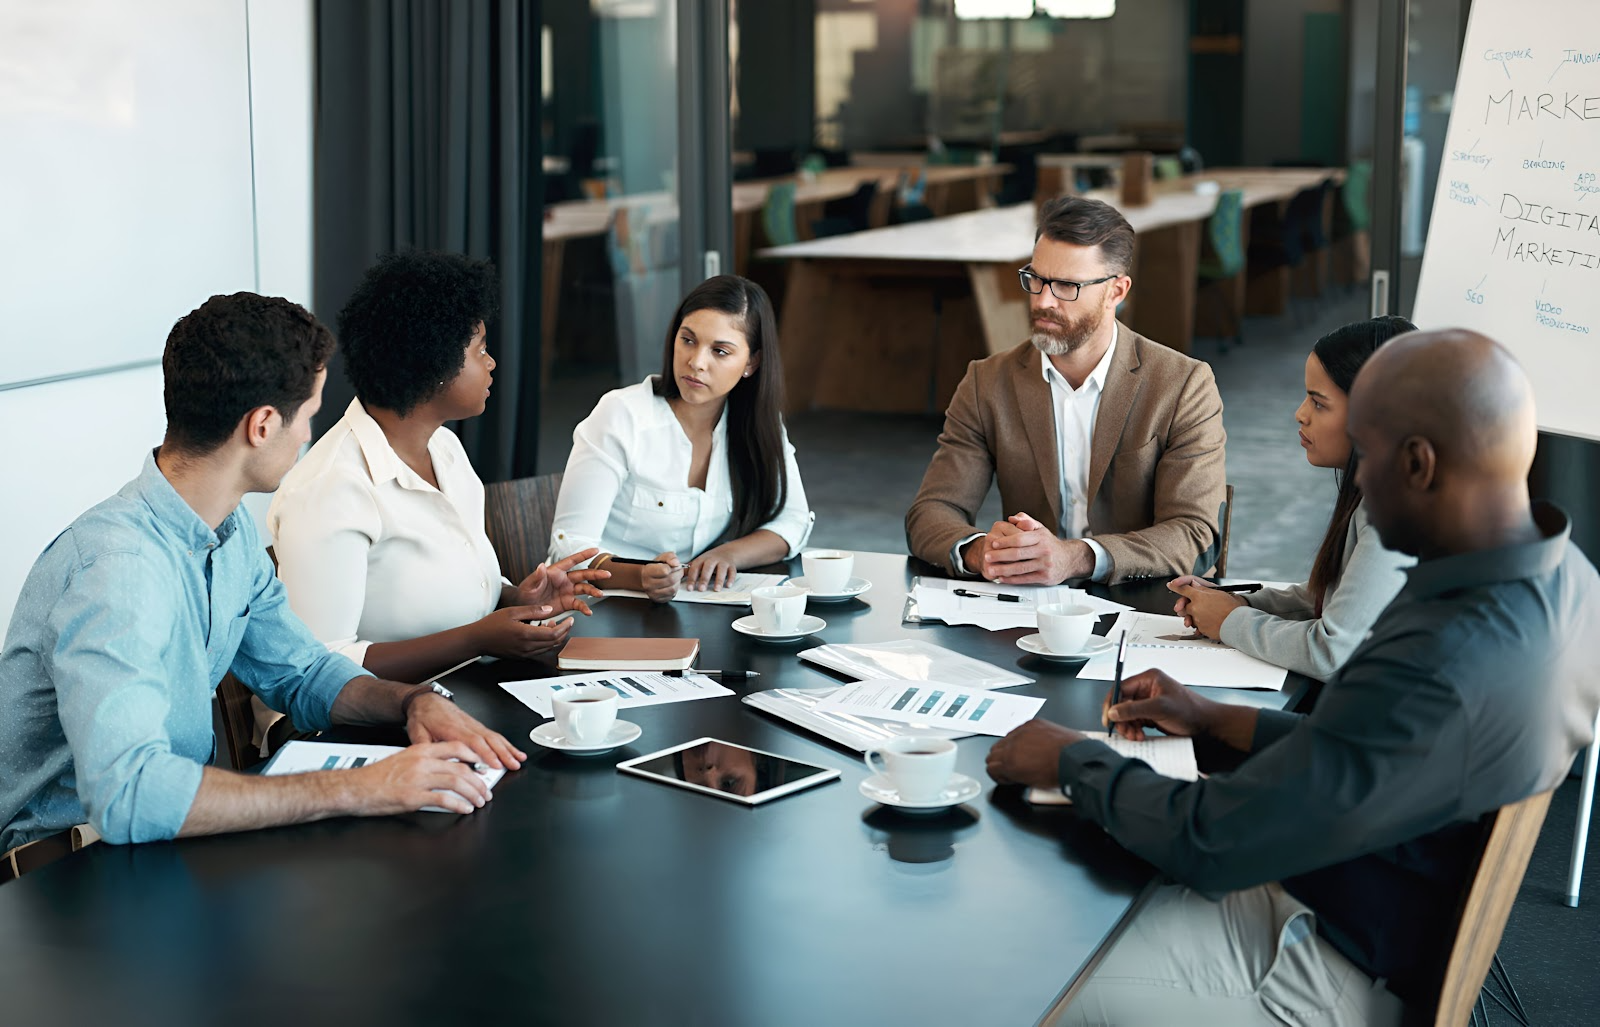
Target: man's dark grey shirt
x,y
1475,689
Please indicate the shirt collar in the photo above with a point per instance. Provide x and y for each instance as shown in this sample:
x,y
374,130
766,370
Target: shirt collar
x,y
175,513
383,463
1432,578
1097,376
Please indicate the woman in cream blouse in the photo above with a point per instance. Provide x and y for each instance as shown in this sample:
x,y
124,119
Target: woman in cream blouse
x,y
1314,627
378,530
688,476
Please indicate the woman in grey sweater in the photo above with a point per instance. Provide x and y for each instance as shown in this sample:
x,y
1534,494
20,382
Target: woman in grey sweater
x,y
1313,628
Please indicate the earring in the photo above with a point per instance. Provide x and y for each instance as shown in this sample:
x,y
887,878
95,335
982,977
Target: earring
x,y
747,374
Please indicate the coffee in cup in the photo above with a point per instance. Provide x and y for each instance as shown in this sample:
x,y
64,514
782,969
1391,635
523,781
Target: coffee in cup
x,y
778,608
1066,627
584,713
917,768
827,570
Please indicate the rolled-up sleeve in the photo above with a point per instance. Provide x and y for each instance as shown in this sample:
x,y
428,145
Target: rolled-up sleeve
x,y
596,469
113,700
794,521
281,661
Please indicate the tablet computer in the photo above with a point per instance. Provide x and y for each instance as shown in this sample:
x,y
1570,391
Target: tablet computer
x,y
728,771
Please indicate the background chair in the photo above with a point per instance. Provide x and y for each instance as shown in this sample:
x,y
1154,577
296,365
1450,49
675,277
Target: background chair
x,y
1485,911
851,214
517,517
1222,265
777,215
1580,831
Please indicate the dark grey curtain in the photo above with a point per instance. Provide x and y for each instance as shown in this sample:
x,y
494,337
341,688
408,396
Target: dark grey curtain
x,y
427,137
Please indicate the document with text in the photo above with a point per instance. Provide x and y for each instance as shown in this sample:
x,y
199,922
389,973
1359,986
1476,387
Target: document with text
x,y
1159,642
303,757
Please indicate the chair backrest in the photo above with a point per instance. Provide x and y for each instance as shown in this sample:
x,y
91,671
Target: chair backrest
x,y
1357,185
1225,236
777,214
235,723
517,517
1488,905
1225,518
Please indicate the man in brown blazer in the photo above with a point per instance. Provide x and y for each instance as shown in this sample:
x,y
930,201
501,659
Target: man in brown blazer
x,y
1108,447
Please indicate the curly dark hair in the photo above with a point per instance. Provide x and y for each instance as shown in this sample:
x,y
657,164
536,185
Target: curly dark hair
x,y
406,328
233,354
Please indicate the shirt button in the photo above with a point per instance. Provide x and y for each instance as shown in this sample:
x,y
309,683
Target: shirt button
x,y
660,503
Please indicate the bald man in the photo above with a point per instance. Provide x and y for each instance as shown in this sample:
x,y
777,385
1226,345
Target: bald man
x,y
1320,880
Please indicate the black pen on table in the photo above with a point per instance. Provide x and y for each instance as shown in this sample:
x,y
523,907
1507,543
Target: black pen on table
x,y
1116,687
1254,586
1004,597
729,675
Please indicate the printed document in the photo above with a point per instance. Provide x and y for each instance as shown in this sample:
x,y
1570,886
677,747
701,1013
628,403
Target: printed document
x,y
911,659
935,705
736,594
1156,641
633,688
1167,755
936,599
302,757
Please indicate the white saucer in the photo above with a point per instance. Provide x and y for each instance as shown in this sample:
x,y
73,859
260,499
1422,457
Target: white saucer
x,y
1034,644
852,588
550,736
809,625
960,788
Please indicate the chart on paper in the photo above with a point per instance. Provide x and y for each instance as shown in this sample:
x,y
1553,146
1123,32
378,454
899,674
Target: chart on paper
x,y
934,705
633,689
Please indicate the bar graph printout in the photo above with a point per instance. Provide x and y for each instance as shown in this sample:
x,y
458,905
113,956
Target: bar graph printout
x,y
633,688
929,704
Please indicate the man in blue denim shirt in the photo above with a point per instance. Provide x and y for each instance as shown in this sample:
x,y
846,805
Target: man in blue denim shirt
x,y
130,618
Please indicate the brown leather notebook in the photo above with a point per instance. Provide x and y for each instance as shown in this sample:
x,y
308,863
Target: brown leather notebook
x,y
589,653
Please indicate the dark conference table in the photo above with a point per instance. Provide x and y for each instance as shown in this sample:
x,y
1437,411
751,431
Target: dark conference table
x,y
581,895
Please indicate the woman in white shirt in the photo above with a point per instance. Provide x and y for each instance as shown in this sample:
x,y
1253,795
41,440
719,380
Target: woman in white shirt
x,y
688,476
379,531
1313,628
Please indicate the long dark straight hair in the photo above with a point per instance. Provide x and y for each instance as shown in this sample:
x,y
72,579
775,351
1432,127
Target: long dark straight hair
x,y
1342,352
756,465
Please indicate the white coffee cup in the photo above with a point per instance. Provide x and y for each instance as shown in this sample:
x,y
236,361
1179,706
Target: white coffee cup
x,y
584,713
918,768
778,608
827,570
1066,627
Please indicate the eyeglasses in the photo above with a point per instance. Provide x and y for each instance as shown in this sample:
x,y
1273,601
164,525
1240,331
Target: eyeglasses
x,y
1063,290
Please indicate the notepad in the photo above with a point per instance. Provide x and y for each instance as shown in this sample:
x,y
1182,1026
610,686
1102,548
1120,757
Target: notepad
x,y
1167,755
590,653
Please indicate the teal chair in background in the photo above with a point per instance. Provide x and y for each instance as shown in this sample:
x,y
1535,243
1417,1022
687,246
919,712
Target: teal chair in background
x,y
1352,223
777,215
1222,259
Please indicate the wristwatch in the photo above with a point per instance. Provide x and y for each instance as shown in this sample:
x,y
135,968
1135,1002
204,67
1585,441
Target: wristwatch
x,y
419,692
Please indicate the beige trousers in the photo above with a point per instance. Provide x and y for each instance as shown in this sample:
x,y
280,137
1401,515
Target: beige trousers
x,y
1253,958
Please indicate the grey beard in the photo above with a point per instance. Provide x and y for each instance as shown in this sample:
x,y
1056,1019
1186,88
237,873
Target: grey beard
x,y
1057,345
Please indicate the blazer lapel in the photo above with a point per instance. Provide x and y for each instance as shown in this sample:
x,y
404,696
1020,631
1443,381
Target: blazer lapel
x,y
1122,386
1039,421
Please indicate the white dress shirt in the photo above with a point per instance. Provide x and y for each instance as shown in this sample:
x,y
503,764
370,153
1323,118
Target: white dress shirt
x,y
626,489
1075,413
369,552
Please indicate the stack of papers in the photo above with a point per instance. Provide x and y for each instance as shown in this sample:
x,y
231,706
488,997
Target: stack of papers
x,y
933,705
1155,641
736,594
636,689
909,659
936,599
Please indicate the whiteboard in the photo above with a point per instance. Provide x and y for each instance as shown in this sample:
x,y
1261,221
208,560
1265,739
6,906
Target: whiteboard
x,y
1514,247
125,176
